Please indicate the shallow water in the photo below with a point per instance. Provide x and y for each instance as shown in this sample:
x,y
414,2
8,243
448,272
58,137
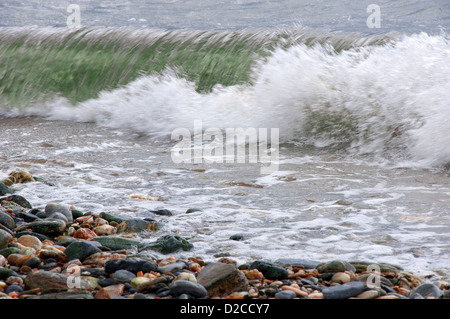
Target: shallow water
x,y
316,206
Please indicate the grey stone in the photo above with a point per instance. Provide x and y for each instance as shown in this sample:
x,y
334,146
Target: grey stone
x,y
123,276
6,229
362,266
153,285
132,264
180,287
48,227
5,237
59,211
7,220
193,210
66,241
345,291
169,244
12,288
221,278
79,294
117,243
335,266
80,250
5,189
111,218
425,290
171,268
6,272
8,251
237,237
372,278
269,270
285,294
50,281
27,217
163,212
296,262
33,262
17,199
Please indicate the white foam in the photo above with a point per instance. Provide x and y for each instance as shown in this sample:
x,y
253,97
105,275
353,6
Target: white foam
x,y
397,96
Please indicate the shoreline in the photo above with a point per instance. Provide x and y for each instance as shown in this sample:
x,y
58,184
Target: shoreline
x,y
62,253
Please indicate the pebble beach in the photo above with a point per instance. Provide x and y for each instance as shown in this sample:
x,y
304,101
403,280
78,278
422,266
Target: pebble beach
x,y
60,252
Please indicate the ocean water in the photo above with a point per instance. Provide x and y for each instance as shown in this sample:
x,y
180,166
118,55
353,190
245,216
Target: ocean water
x,y
360,162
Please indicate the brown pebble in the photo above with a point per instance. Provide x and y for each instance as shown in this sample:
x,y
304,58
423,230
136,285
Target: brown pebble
x,y
20,261
316,295
296,290
110,292
55,254
226,260
48,242
238,295
195,267
84,233
30,241
369,294
25,269
12,258
197,260
342,277
388,297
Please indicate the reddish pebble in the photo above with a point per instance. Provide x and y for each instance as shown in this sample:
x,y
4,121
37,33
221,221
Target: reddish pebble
x,y
296,290
20,261
84,233
14,294
110,292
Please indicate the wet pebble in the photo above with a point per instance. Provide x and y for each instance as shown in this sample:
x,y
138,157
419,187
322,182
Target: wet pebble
x,y
12,288
237,237
335,266
5,237
6,220
170,243
163,212
220,278
123,276
132,264
33,262
344,291
41,256
80,250
58,211
5,189
269,270
285,294
171,268
426,290
30,241
187,287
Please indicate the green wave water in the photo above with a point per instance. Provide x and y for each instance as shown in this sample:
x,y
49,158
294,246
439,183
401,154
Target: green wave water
x,y
40,63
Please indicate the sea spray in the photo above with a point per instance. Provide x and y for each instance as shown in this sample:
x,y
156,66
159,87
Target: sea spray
x,y
375,96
